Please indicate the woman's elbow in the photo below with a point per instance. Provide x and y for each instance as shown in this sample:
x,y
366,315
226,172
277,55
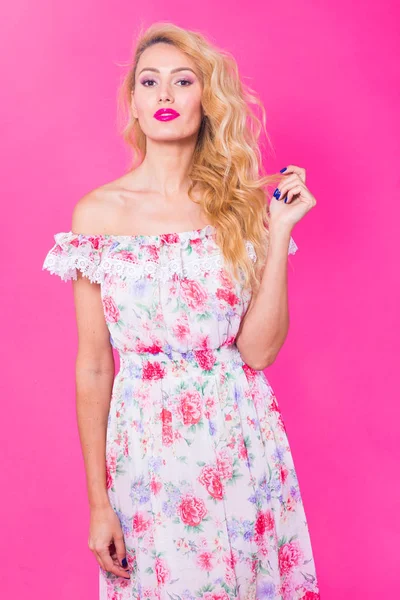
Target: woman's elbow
x,y
260,363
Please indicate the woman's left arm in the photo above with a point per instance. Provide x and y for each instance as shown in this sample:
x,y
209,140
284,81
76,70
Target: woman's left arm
x,y
265,326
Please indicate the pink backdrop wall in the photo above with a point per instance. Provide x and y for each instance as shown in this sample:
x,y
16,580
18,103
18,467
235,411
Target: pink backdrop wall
x,y
329,78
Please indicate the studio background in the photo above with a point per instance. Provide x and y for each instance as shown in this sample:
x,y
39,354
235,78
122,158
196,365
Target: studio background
x,y
328,74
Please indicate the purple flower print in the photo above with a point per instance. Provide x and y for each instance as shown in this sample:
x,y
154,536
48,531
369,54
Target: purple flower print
x,y
265,590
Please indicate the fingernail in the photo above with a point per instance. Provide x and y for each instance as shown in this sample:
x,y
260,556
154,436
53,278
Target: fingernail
x,y
124,563
283,170
277,193
285,199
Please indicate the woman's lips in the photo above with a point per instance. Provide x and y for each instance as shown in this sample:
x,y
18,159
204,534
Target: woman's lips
x,y
166,114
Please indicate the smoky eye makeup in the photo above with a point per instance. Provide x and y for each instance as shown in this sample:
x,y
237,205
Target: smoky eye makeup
x,y
183,81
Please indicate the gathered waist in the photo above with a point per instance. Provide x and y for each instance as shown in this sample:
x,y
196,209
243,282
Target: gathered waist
x,y
150,366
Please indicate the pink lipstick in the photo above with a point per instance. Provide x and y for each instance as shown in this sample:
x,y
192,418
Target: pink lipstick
x,y
166,114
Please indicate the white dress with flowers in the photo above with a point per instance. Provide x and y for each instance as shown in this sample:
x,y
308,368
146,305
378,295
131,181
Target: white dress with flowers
x,y
199,469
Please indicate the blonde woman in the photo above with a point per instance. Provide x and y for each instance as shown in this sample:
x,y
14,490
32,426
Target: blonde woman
x,y
181,266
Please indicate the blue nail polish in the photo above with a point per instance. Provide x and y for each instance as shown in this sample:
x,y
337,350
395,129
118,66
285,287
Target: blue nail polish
x,y
277,193
124,563
283,170
286,199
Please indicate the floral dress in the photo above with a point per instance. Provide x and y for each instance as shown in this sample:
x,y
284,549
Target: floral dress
x,y
199,469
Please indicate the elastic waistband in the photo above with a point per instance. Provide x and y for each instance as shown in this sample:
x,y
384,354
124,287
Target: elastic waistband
x,y
175,363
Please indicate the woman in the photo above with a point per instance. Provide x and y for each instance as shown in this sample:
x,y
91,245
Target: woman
x,y
181,265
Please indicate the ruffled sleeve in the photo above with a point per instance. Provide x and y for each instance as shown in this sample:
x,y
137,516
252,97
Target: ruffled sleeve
x,y
74,252
252,253
292,246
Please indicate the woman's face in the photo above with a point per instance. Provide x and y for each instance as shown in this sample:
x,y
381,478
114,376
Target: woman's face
x,y
157,87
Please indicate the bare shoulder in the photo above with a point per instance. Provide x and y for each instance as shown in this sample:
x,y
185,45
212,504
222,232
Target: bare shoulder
x,y
96,210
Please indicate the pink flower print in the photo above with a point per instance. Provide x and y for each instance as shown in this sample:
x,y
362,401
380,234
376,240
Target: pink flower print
x,y
166,416
152,371
230,559
273,405
153,252
155,348
264,522
169,238
229,341
139,523
95,241
111,310
290,504
228,296
127,256
181,330
204,561
210,406
290,556
283,473
193,294
126,443
250,373
196,242
209,477
192,510
287,589
111,468
225,463
206,358
242,450
162,571
311,596
109,478
225,279
189,409
166,427
155,486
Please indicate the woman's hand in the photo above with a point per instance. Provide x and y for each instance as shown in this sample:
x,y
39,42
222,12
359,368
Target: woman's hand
x,y
292,199
106,541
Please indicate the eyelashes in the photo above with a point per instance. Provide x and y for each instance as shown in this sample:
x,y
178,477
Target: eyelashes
x,y
186,81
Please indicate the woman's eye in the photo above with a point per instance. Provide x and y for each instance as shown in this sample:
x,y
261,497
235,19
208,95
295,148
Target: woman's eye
x,y
147,81
185,81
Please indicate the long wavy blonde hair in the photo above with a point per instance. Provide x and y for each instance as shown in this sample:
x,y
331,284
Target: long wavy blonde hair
x,y
227,161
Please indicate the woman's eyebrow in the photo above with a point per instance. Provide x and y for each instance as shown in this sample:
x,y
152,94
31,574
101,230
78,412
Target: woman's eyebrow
x,y
172,70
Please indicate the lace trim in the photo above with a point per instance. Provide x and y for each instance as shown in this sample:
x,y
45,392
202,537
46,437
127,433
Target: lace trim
x,y
155,270
95,269
66,267
252,253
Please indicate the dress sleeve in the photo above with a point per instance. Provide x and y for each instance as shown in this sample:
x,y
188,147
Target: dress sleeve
x,y
74,252
292,246
251,251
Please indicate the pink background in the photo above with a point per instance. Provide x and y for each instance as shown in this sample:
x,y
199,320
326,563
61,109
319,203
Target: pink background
x,y
329,78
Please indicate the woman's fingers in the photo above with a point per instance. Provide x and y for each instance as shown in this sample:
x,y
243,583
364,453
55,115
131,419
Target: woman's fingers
x,y
106,562
292,192
289,183
297,170
120,551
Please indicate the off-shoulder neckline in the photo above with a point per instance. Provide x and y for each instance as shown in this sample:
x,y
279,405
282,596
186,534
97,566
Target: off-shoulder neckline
x,y
207,229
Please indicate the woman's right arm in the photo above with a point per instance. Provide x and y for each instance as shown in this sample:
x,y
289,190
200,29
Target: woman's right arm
x,y
94,373
94,369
